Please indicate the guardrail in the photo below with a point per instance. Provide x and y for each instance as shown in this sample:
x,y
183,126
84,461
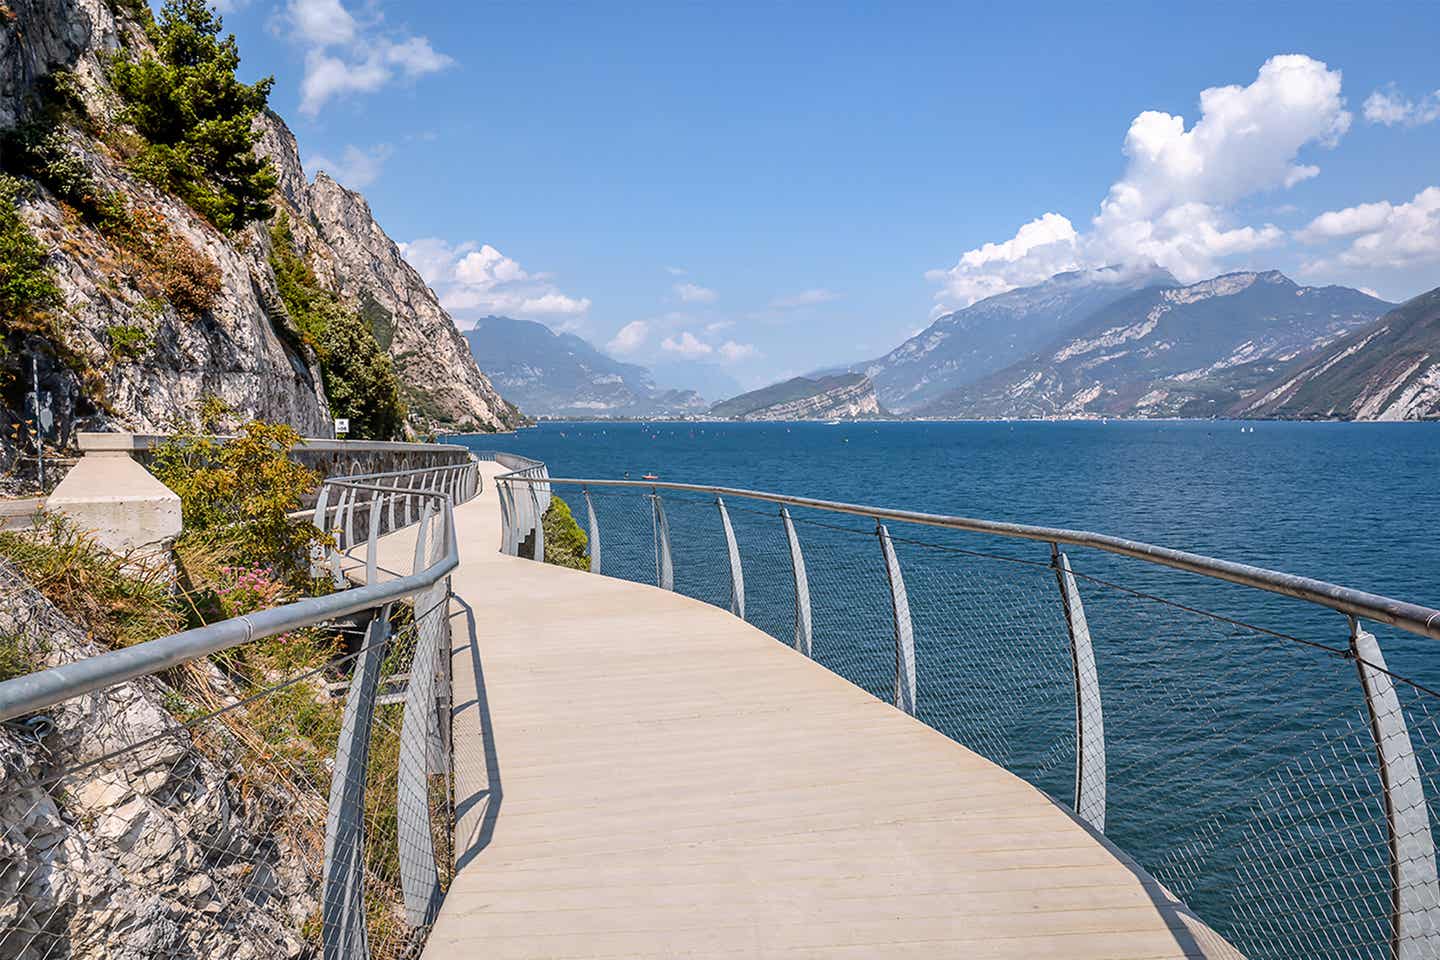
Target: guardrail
x,y
347,826
1279,778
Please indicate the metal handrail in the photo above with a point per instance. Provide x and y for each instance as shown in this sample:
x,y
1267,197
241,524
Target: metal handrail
x,y
27,694
1410,617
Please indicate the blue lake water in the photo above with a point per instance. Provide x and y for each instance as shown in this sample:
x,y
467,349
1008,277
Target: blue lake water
x,y
1240,767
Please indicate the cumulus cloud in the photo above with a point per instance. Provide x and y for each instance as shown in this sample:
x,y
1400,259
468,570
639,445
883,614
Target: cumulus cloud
x,y
805,298
694,293
344,55
1173,206
356,167
1379,235
476,278
732,352
1392,108
687,345
630,337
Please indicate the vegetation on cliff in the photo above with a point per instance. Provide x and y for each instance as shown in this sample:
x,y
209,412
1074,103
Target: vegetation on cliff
x,y
360,379
196,119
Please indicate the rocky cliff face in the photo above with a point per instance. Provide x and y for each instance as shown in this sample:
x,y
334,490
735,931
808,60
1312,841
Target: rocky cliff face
x,y
127,351
1389,371
160,853
847,396
231,351
349,251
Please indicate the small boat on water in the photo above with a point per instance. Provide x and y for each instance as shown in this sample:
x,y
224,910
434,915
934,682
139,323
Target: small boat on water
x,y
649,476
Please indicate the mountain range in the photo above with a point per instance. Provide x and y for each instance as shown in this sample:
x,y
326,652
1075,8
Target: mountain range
x,y
964,346
562,375
1387,371
845,395
1178,350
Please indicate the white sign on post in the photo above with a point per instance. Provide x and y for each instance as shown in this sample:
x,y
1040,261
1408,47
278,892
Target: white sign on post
x,y
342,426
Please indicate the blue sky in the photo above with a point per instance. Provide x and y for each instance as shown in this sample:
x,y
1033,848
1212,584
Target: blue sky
x,y
768,189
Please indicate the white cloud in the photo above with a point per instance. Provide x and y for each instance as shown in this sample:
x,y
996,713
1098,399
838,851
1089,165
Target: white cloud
x,y
805,298
1391,107
322,23
487,267
687,345
1174,204
732,352
1380,235
476,278
356,168
694,293
346,56
629,338
1039,250
676,271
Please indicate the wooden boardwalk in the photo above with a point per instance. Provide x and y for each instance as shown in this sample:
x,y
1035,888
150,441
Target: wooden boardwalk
x,y
639,774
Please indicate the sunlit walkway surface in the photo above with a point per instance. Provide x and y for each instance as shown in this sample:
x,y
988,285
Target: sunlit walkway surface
x,y
639,774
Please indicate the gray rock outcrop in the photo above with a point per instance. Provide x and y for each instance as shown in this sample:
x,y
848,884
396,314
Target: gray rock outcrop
x,y
163,851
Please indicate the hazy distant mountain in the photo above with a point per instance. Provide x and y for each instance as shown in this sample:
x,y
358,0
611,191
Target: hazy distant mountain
x,y
1177,351
1387,371
963,347
846,396
559,374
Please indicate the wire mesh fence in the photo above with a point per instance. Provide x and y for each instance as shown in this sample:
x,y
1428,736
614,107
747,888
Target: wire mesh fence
x,y
1254,754
289,796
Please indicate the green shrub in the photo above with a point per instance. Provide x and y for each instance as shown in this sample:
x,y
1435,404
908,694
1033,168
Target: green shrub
x,y
360,380
359,376
239,493
17,657
28,291
118,599
564,540
197,119
127,342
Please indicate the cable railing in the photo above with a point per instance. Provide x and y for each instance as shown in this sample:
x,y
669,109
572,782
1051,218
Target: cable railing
x,y
273,785
1237,731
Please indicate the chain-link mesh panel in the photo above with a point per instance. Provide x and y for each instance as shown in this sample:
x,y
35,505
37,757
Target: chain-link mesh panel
x,y
1237,763
187,815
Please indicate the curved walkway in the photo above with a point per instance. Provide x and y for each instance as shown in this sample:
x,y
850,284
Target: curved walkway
x,y
639,774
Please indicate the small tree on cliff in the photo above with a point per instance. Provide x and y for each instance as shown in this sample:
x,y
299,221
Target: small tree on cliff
x,y
197,119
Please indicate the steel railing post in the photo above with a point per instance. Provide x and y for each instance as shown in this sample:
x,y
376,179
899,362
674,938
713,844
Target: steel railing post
x,y
372,541
318,551
802,585
342,908
539,553
419,877
594,540
904,632
1414,890
1090,775
737,574
660,531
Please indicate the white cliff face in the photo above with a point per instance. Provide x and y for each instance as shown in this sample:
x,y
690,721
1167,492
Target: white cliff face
x,y
353,255
842,403
231,351
237,349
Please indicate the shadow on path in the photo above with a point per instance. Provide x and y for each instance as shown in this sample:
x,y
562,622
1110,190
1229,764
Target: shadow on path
x,y
484,797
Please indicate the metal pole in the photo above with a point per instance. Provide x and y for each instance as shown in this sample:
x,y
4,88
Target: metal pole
x,y
1414,889
802,585
904,632
1090,777
737,574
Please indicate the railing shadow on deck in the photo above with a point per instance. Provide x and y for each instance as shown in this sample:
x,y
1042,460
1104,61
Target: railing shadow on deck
x,y
470,844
